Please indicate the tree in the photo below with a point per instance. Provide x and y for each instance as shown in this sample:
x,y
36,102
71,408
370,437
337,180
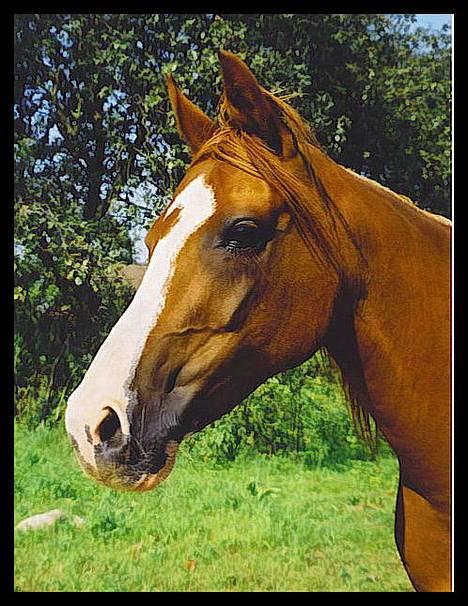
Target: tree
x,y
377,92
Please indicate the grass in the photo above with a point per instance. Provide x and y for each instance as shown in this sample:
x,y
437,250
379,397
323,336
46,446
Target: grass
x,y
257,524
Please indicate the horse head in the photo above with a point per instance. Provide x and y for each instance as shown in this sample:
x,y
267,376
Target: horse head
x,y
231,295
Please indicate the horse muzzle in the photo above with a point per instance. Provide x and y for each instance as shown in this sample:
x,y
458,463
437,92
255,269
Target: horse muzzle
x,y
114,451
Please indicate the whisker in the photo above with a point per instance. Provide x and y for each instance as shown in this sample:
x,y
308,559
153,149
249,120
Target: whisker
x,y
138,442
142,421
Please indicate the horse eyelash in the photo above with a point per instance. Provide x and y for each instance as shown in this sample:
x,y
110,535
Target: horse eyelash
x,y
248,254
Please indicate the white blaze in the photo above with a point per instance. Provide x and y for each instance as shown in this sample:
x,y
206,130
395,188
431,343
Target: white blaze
x,y
110,374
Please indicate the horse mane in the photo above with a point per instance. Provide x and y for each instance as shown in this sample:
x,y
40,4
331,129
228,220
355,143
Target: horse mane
x,y
320,223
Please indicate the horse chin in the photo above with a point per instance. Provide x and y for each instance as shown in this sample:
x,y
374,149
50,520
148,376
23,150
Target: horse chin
x,y
148,481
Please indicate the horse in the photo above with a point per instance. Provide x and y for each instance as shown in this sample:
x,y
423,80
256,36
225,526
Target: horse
x,y
269,251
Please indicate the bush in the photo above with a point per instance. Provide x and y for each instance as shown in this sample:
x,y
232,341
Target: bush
x,y
67,297
301,413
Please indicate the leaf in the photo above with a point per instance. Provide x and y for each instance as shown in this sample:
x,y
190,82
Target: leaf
x,y
252,488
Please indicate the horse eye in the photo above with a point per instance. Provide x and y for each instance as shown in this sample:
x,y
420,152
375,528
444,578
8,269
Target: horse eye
x,y
245,234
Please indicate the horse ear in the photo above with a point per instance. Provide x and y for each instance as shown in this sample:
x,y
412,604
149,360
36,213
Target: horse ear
x,y
248,106
193,125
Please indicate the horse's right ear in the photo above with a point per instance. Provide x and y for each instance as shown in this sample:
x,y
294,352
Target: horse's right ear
x,y
194,126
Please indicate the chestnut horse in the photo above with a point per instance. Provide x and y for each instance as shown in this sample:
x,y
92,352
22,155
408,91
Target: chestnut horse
x,y
269,251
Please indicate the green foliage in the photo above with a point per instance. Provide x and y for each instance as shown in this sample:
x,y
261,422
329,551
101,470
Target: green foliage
x,y
376,89
67,297
301,413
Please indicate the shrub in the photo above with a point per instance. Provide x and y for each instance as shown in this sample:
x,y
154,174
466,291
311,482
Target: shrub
x,y
67,297
301,412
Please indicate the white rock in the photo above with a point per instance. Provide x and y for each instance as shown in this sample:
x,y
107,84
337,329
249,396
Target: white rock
x,y
41,520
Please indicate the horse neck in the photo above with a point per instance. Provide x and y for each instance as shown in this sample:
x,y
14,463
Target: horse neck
x,y
394,343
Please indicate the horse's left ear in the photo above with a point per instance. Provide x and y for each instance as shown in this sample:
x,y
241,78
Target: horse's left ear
x,y
193,125
249,107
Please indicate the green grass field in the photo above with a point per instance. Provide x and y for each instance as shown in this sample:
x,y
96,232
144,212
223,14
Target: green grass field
x,y
257,524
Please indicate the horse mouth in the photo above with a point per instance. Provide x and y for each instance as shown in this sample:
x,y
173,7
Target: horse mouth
x,y
149,480
137,477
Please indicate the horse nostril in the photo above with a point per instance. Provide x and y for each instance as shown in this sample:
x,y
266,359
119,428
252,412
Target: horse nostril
x,y
109,427
111,441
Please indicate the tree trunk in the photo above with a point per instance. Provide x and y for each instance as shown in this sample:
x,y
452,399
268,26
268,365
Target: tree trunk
x,y
92,199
